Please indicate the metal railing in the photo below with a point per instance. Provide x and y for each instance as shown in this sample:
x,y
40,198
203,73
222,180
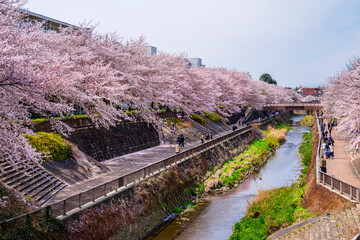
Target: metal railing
x,y
74,203
344,189
293,104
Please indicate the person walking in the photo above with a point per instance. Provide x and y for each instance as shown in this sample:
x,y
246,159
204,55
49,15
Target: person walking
x,y
178,140
207,138
326,133
174,126
323,148
323,165
177,148
182,141
202,138
327,153
331,140
331,149
357,148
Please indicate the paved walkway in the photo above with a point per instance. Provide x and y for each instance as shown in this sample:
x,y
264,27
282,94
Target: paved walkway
x,y
340,166
123,165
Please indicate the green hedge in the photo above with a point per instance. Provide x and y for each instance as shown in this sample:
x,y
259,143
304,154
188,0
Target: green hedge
x,y
51,143
214,117
198,118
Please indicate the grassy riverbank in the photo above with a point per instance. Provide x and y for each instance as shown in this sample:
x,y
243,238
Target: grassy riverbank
x,y
237,169
276,208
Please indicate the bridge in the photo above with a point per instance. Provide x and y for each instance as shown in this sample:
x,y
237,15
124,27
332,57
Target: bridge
x,y
293,106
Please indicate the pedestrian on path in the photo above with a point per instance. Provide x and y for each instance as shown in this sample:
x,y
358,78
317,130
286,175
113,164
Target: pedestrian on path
x,y
202,138
331,148
177,149
207,138
323,165
357,148
326,133
178,140
174,126
327,153
331,140
182,141
323,148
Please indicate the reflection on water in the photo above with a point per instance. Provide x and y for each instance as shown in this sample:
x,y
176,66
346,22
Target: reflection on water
x,y
218,213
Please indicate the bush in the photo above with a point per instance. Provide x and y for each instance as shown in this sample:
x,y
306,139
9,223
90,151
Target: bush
x,y
283,126
198,118
39,120
214,117
50,143
307,120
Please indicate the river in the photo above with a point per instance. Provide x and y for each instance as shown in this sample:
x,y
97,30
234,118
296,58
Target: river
x,y
216,214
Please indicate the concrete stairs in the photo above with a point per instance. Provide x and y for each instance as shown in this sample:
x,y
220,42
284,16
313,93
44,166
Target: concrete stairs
x,y
338,225
30,180
216,127
248,113
199,128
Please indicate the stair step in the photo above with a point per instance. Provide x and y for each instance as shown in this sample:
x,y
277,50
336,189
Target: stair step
x,y
30,182
45,197
48,184
15,174
22,177
36,187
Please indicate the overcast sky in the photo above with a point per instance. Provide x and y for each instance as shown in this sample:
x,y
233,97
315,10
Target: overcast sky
x,y
298,42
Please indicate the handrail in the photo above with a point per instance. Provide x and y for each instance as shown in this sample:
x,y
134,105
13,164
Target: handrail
x,y
140,174
292,104
345,189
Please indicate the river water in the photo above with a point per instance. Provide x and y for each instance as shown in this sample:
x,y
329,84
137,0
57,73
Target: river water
x,y
216,214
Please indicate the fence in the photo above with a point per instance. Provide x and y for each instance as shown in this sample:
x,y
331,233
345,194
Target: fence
x,y
344,189
293,104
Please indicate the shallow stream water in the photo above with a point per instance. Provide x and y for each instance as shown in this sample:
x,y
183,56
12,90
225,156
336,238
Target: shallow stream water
x,y
216,214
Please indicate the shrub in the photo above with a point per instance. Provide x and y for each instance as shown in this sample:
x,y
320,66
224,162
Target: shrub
x,y
39,120
307,120
50,143
214,117
198,118
283,126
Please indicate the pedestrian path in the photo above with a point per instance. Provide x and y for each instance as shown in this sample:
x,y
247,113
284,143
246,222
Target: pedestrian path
x,y
341,166
123,165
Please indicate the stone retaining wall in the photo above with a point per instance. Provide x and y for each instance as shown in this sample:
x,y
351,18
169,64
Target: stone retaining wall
x,y
103,144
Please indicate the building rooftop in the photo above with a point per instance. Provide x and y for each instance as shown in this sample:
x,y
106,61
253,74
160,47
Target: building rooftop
x,y
40,17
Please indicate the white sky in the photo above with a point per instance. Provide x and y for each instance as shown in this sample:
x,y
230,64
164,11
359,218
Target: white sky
x,y
298,42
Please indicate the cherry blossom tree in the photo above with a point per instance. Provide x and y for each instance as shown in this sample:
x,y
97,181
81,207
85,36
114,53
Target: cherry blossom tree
x,y
51,73
341,100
